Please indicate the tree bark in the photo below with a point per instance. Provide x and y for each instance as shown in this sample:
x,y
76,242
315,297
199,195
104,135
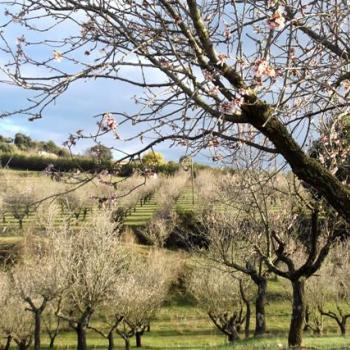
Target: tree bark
x,y
298,314
138,336
52,342
81,335
110,340
342,326
248,311
8,343
127,343
37,329
260,321
310,170
247,321
234,336
22,345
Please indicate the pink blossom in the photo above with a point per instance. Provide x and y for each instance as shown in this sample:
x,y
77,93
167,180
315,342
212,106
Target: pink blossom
x,y
166,64
57,56
213,90
260,67
232,107
108,122
263,68
277,20
346,84
222,58
209,76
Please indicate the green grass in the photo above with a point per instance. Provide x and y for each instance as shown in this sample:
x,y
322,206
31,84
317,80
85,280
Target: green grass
x,y
182,325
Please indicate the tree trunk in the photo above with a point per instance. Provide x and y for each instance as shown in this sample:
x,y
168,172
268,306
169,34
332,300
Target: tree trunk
x,y
260,322
234,336
81,335
138,336
37,329
342,326
22,345
110,340
127,343
52,341
298,314
307,318
247,321
8,343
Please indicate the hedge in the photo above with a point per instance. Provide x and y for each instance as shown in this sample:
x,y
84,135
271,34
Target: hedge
x,y
37,163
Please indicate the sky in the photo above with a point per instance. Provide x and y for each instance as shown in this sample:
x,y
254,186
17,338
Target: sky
x,y
75,109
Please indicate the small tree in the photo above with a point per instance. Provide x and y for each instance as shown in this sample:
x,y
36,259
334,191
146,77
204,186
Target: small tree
x,y
143,292
139,293
332,300
218,293
52,323
100,152
16,323
40,277
76,203
229,241
18,200
153,159
96,262
23,142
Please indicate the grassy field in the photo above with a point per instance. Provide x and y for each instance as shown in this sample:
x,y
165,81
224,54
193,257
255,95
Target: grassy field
x,y
181,325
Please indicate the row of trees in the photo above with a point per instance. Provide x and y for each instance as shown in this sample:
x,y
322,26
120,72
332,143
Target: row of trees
x,y
76,277
22,142
21,196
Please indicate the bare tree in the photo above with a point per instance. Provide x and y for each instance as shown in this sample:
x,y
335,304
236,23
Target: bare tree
x,y
142,292
218,293
96,262
214,74
284,226
40,276
16,323
296,244
230,244
51,322
332,298
163,220
18,201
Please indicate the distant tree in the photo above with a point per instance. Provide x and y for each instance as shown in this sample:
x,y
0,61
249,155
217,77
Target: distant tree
x,y
219,293
23,142
7,147
153,159
18,201
4,139
6,144
51,147
100,152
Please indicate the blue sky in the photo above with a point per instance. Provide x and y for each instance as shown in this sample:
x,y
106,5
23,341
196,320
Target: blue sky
x,y
74,110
